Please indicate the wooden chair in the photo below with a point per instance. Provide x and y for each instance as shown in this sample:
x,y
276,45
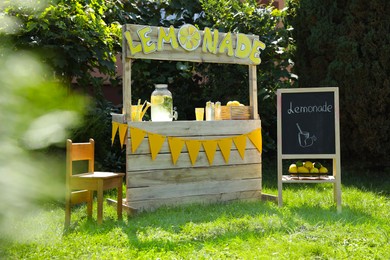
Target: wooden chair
x,y
80,187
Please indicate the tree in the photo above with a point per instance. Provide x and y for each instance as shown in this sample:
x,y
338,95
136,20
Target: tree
x,y
347,44
72,37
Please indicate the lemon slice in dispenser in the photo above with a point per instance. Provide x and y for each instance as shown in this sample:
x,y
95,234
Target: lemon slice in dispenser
x,y
157,100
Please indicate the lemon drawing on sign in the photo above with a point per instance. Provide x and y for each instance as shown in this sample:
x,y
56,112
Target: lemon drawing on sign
x,y
189,37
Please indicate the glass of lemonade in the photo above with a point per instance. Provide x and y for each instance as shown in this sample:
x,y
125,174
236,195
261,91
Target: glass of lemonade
x,y
199,113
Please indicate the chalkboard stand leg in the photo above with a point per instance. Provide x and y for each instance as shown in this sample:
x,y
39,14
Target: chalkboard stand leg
x,y
280,183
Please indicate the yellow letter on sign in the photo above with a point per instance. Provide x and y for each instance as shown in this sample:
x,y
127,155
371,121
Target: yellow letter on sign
x,y
147,45
210,43
243,48
133,48
169,37
255,54
227,43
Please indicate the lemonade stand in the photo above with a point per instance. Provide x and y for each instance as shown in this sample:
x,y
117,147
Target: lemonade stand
x,y
175,162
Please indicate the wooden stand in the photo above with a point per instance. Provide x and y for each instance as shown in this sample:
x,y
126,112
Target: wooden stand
x,y
334,179
153,183
325,118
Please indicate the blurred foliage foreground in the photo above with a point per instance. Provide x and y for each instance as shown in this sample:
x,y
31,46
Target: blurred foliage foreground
x,y
35,114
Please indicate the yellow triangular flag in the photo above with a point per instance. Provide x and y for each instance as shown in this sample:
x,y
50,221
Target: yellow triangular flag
x,y
114,128
155,143
122,133
193,147
225,145
210,147
255,137
175,145
240,142
137,136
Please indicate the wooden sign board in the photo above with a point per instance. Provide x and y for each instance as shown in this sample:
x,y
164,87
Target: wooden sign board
x,y
308,128
187,43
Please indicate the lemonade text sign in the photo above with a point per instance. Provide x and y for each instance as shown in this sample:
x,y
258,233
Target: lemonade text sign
x,y
308,122
190,44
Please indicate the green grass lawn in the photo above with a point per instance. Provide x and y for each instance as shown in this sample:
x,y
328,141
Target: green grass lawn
x,y
307,227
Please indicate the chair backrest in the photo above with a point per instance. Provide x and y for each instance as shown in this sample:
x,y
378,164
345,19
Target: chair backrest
x,y
79,152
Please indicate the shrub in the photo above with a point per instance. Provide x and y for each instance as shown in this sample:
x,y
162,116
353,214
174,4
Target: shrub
x,y
347,44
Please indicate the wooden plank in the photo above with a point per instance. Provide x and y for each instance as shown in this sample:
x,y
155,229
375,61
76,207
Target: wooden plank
x,y
164,161
194,56
150,178
133,28
179,54
143,148
152,204
192,189
253,91
198,128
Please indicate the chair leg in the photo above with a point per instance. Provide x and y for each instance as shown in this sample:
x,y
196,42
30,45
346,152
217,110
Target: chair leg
x,y
90,204
100,202
119,202
67,210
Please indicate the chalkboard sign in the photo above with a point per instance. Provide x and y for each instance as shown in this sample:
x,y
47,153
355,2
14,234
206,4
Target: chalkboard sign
x,y
308,120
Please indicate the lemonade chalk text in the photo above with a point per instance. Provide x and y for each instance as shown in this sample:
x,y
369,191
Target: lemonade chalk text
x,y
325,108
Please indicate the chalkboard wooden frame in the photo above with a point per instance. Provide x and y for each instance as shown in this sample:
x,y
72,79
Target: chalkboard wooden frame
x,y
308,128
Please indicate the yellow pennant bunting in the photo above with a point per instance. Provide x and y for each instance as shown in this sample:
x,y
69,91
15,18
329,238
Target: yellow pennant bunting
x,y
122,133
255,137
137,136
193,147
115,126
210,147
225,145
175,145
240,142
155,143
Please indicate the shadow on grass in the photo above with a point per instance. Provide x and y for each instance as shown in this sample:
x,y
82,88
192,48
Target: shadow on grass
x,y
169,228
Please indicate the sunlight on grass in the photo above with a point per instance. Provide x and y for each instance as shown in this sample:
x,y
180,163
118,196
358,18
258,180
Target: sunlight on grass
x,y
237,230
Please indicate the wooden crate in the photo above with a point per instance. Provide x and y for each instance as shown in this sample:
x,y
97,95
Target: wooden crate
x,y
154,183
236,112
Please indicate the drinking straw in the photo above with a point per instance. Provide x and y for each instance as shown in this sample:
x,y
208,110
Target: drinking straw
x,y
137,113
145,109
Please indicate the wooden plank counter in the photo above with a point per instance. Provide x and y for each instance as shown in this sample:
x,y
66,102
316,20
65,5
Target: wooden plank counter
x,y
153,183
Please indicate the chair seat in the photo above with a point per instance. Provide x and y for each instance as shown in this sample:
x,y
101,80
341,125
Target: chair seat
x,y
103,175
94,180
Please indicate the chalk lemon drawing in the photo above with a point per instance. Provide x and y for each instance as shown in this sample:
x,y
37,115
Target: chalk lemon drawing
x,y
189,37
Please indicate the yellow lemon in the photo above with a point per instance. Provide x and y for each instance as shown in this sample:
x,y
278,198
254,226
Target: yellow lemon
x,y
314,170
308,164
233,103
323,170
293,168
303,169
189,37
